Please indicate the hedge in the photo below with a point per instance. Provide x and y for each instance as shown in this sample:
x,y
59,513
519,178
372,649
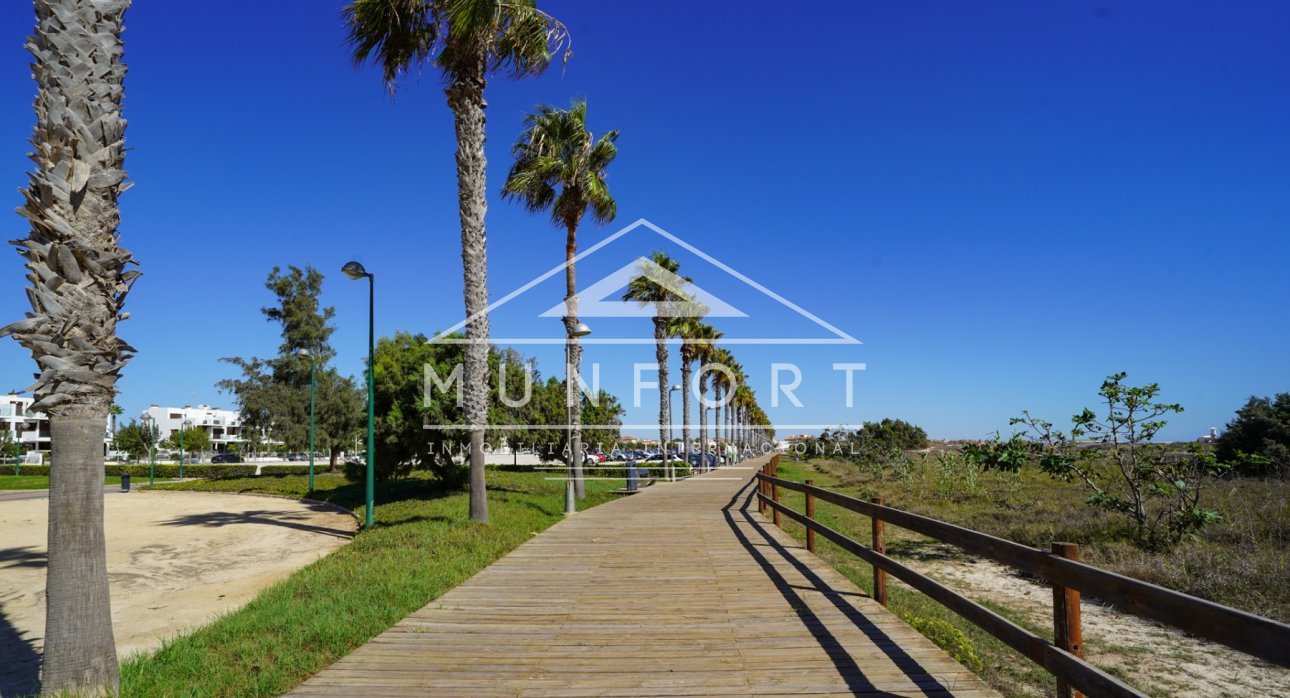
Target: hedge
x,y
167,470
281,470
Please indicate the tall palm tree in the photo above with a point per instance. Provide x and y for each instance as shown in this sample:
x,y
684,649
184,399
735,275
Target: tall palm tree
x,y
689,329
560,168
721,387
78,284
470,40
704,341
648,289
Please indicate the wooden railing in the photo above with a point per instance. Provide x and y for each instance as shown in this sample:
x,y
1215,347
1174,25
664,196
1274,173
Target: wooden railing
x,y
1061,568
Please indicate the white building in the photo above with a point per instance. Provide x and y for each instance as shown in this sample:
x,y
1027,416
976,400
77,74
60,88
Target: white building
x,y
224,427
32,428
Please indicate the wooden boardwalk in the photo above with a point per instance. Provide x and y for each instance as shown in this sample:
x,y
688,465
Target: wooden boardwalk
x,y
681,590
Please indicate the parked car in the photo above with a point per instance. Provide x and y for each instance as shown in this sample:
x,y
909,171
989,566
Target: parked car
x,y
710,459
226,458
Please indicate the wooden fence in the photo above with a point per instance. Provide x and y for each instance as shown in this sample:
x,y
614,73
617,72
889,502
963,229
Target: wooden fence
x,y
1061,568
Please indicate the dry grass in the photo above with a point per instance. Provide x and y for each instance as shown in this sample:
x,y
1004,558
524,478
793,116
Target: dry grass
x,y
1243,561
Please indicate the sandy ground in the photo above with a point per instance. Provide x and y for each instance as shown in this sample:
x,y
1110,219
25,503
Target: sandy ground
x,y
1153,654
176,560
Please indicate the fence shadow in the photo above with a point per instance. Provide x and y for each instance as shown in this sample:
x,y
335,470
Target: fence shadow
x,y
739,517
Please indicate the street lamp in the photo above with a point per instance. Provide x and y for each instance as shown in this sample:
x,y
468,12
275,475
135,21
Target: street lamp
x,y
17,448
575,449
182,426
150,428
313,365
355,271
671,417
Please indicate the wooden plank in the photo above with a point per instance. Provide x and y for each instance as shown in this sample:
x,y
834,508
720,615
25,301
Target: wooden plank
x,y
678,590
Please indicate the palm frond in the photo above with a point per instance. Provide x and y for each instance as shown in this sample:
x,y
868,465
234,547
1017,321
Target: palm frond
x,y
395,34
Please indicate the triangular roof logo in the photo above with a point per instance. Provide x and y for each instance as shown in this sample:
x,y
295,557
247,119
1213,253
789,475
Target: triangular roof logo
x,y
595,299
601,299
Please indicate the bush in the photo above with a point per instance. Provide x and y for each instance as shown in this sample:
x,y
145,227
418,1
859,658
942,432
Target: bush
x,y
1257,441
214,472
25,470
283,470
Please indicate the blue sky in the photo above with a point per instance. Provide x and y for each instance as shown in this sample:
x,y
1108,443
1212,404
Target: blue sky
x,y
1004,201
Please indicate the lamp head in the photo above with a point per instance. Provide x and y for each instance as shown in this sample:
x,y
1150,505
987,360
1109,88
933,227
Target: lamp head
x,y
580,330
354,270
675,388
305,353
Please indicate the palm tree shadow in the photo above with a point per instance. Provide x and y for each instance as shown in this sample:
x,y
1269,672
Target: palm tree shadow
x,y
25,556
846,666
20,670
285,519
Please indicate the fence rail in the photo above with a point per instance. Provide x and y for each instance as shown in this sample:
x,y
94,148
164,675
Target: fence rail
x,y
1061,568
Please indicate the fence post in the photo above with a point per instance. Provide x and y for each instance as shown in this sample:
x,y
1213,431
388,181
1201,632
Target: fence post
x,y
810,514
1067,633
774,495
761,489
879,546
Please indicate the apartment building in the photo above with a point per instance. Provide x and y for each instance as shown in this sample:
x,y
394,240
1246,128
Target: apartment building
x,y
32,428
224,427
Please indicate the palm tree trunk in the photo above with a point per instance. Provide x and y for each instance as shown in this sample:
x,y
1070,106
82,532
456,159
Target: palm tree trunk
x,y
685,409
80,652
660,355
466,100
78,286
703,421
573,370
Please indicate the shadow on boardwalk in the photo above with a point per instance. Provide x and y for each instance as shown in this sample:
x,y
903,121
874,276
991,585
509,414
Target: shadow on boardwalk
x,y
679,590
740,506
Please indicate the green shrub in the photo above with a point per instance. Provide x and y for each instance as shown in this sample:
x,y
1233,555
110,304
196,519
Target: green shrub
x,y
282,470
950,639
25,470
215,472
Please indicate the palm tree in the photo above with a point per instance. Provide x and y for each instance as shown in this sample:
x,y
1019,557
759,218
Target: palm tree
x,y
689,329
78,283
470,40
648,289
721,387
556,153
704,349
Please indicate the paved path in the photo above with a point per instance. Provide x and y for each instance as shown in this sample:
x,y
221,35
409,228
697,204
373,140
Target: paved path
x,y
682,589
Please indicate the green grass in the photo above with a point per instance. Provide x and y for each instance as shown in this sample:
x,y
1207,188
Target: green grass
x,y
1006,670
422,545
39,482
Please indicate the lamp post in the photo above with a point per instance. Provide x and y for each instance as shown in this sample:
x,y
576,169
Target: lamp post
x,y
671,414
150,430
313,365
17,448
355,271
570,394
182,427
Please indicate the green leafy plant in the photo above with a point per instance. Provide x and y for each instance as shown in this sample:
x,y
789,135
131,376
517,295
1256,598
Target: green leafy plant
x,y
1112,452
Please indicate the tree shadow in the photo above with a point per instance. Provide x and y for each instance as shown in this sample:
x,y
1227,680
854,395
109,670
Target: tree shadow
x,y
739,517
20,668
26,556
266,517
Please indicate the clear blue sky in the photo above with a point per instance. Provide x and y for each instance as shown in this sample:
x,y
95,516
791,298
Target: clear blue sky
x,y
1004,201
